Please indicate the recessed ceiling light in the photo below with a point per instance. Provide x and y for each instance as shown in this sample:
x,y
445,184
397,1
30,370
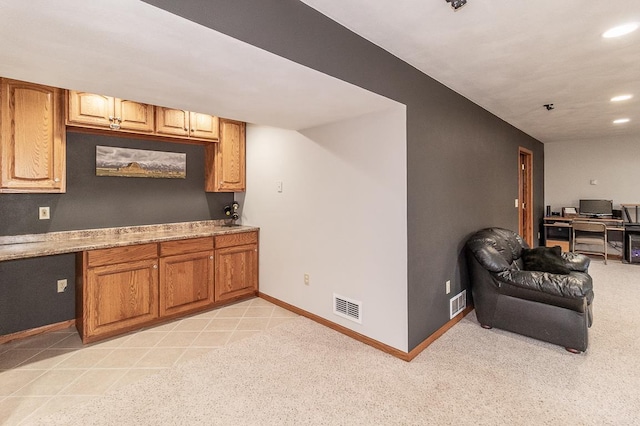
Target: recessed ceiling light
x,y
620,30
621,120
621,98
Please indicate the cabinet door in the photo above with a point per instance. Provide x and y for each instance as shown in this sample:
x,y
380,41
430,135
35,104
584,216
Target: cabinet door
x,y
172,122
186,282
236,272
134,116
120,296
32,138
90,109
225,161
203,126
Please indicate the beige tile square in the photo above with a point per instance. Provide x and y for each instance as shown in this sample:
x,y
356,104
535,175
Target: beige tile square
x,y
212,339
72,341
274,322
242,304
253,324
15,357
14,410
281,312
58,403
135,375
192,324
160,357
85,358
163,327
208,314
223,324
112,343
50,383
261,302
231,312
144,339
258,312
12,380
122,358
40,341
241,334
193,353
46,359
94,382
178,339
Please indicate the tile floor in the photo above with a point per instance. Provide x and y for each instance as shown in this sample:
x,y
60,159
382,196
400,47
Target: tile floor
x,y
45,373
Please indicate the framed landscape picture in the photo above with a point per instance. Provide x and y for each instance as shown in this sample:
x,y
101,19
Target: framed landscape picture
x,y
127,162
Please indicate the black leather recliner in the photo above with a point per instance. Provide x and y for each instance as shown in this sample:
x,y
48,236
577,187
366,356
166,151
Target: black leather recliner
x,y
555,308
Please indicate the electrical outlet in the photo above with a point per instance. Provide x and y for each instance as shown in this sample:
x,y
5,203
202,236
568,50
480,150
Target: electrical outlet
x,y
306,279
447,286
279,186
44,213
62,285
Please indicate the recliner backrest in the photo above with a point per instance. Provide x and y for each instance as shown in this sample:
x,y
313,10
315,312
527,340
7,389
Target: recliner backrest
x,y
496,249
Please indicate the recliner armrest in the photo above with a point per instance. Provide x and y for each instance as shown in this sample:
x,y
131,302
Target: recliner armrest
x,y
576,261
574,285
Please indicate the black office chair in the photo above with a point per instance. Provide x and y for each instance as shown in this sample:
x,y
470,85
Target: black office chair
x,y
589,238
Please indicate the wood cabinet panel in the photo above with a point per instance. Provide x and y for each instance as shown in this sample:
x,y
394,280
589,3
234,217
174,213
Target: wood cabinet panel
x,y
32,138
134,116
105,112
186,282
172,122
237,239
120,296
236,272
203,126
191,245
122,254
225,162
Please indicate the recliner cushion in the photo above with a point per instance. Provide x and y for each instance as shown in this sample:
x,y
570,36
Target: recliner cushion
x,y
544,259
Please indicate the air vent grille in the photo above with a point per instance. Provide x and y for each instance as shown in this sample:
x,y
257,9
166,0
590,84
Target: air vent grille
x,y
347,308
457,303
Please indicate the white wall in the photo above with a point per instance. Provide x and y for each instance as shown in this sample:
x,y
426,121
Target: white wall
x,y
570,166
341,218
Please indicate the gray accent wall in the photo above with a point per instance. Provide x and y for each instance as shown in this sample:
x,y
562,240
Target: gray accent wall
x,y
462,160
28,293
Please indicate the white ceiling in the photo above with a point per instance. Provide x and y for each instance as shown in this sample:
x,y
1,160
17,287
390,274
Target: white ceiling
x,y
512,57
129,49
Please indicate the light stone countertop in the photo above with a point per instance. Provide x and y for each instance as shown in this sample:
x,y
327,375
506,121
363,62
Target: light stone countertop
x,y
36,245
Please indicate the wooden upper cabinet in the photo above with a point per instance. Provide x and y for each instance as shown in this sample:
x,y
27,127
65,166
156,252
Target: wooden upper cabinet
x,y
172,122
193,125
106,112
225,161
32,138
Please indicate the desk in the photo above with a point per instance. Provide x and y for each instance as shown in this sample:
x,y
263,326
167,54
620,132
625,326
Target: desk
x,y
557,232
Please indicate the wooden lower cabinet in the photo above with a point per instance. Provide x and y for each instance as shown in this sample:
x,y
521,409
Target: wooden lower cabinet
x,y
125,288
236,266
117,291
186,280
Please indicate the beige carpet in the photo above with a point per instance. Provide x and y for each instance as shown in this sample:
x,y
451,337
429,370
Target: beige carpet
x,y
301,373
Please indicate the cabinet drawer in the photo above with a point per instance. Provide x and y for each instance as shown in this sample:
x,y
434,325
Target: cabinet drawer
x,y
191,245
241,238
122,254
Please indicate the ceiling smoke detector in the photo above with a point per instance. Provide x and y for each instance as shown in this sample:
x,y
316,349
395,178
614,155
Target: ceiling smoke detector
x,y
457,4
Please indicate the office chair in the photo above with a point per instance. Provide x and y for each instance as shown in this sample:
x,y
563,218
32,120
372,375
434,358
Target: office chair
x,y
590,237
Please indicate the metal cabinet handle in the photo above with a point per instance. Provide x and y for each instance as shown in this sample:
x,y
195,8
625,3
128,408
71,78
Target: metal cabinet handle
x,y
155,266
210,257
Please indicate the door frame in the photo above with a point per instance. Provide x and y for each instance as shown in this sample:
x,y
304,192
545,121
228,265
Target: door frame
x,y
525,194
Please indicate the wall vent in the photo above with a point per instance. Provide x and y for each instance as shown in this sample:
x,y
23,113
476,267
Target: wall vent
x,y
457,304
347,308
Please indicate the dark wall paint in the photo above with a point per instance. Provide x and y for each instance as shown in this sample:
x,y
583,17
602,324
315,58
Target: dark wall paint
x,y
462,160
98,202
28,296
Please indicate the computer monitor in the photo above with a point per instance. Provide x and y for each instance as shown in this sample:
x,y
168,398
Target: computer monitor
x,y
596,208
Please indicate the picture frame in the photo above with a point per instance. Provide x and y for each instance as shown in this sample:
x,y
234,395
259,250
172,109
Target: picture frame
x,y
569,212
